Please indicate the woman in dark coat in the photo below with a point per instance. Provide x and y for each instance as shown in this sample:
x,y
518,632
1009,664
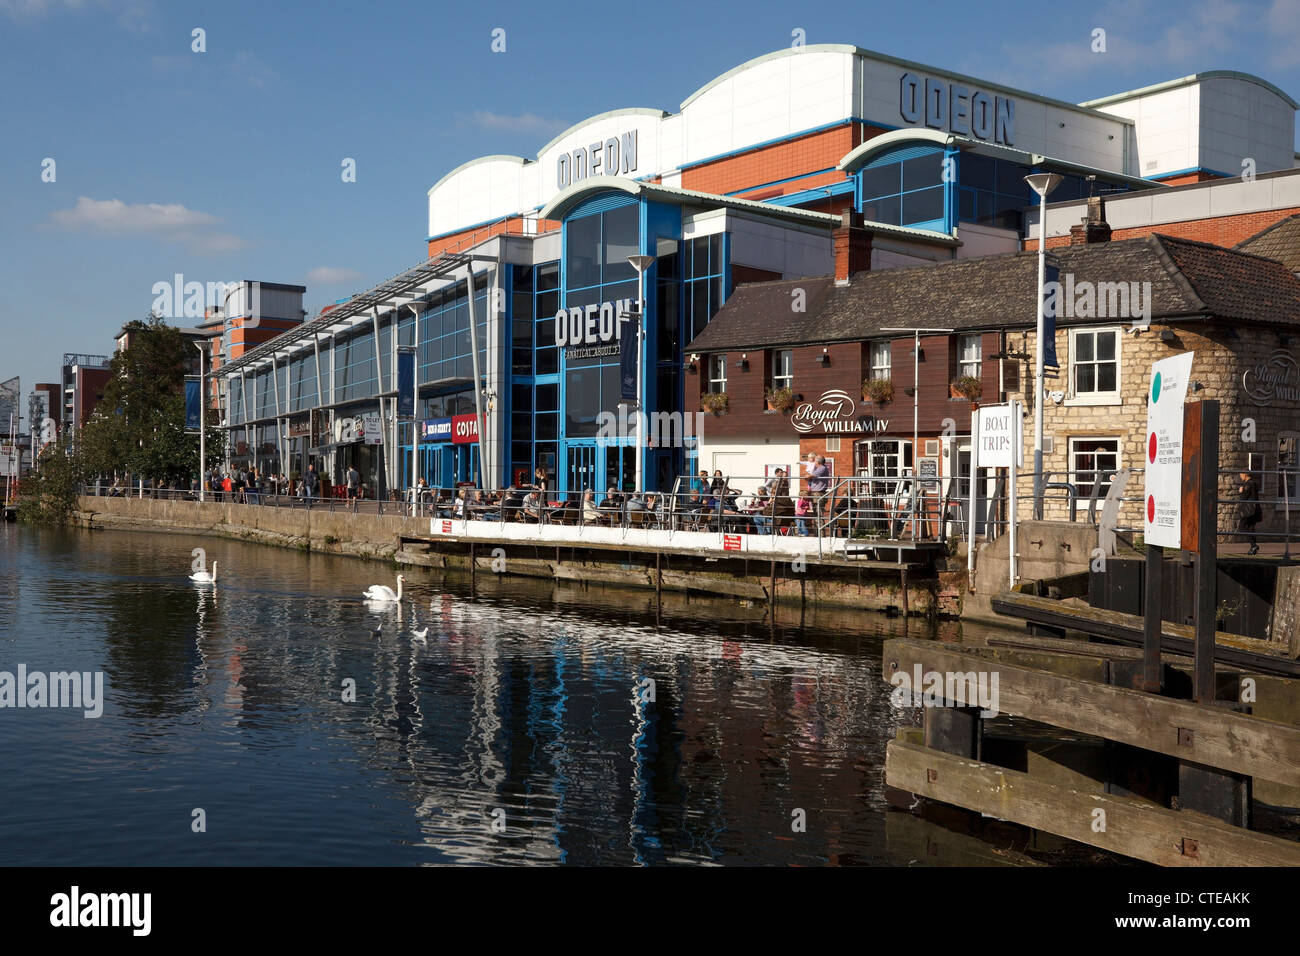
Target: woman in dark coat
x,y
1249,512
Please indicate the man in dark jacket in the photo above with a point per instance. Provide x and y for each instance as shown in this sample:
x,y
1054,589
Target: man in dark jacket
x,y
1248,511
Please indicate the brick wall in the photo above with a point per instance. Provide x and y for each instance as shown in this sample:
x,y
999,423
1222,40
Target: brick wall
x,y
1220,230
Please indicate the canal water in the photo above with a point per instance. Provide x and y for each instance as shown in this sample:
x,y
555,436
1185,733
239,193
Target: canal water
x,y
263,720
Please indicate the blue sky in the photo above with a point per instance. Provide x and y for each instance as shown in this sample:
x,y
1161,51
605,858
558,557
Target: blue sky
x,y
226,164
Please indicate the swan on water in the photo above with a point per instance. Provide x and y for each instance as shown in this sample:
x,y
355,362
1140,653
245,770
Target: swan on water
x,y
420,635
205,577
382,592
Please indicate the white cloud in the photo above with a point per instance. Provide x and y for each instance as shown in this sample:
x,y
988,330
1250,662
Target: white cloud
x,y
171,221
252,70
332,275
113,215
131,14
523,122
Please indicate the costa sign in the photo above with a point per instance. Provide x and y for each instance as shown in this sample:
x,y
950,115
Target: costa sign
x,y
464,429
835,412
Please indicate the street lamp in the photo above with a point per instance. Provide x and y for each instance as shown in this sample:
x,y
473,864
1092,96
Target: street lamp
x,y
203,419
1041,183
640,264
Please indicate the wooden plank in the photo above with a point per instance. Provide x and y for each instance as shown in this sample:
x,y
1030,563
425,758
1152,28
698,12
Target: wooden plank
x,y
1133,827
1203,734
1236,649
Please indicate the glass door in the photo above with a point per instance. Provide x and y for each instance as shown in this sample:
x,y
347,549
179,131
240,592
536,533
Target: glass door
x,y
580,470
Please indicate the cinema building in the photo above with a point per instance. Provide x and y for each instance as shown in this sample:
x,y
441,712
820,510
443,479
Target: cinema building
x,y
747,182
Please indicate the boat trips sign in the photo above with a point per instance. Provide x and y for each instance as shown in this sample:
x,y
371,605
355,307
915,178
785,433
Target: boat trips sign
x,y
1163,513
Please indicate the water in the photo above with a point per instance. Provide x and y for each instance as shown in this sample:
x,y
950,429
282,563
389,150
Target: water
x,y
513,734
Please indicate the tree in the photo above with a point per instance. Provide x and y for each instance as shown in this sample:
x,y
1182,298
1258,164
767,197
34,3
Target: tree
x,y
49,494
139,424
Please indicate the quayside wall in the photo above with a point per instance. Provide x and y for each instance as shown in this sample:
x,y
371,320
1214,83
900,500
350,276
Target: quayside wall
x,y
831,581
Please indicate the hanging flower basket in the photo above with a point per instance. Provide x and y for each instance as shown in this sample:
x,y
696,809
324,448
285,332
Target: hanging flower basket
x,y
878,390
715,402
967,387
780,399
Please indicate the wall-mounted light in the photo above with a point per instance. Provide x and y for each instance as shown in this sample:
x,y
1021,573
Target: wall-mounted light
x,y
824,358
1197,386
693,363
1167,335
744,362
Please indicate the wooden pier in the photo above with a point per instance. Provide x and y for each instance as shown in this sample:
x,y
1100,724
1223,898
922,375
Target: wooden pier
x,y
1174,779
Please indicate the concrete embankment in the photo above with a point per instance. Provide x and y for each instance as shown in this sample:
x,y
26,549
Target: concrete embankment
x,y
836,582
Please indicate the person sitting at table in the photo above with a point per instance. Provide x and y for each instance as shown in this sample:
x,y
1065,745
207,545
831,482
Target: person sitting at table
x,y
654,509
760,510
590,513
802,511
532,510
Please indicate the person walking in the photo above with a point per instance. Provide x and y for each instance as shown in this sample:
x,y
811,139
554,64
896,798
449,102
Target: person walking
x,y
312,482
1249,512
354,485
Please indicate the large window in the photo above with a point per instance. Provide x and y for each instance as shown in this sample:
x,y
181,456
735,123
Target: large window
x,y
718,372
702,290
1094,364
968,354
907,191
782,372
1092,463
881,360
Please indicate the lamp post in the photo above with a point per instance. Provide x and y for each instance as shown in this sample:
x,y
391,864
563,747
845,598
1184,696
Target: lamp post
x,y
1041,183
203,419
640,264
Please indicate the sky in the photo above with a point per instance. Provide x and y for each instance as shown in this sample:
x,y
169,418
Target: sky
x,y
226,164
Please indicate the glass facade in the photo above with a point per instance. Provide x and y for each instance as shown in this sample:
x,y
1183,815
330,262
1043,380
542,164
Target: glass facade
x,y
926,187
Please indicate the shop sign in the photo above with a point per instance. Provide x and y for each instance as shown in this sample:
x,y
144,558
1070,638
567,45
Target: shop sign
x,y
372,427
299,427
835,413
954,108
1277,377
610,157
435,429
464,429
1001,437
1163,514
590,328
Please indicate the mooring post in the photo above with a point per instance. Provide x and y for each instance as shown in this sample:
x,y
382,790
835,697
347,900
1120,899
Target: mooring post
x,y
1201,486
1153,619
902,573
771,591
472,565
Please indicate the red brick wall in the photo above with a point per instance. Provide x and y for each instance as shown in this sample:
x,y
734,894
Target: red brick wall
x,y
1221,230
460,241
796,157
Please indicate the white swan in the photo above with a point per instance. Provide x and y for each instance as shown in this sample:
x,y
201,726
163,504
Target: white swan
x,y
420,635
204,577
382,592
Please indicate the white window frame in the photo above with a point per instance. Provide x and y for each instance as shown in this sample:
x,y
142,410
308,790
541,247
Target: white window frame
x,y
1072,465
971,366
780,380
882,349
1097,398
718,372
1292,477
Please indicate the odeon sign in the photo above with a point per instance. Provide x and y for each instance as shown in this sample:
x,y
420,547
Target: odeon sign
x,y
611,157
595,324
834,412
1278,377
954,108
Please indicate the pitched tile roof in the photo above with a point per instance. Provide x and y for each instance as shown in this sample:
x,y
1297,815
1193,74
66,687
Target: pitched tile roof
x,y
1187,279
1280,241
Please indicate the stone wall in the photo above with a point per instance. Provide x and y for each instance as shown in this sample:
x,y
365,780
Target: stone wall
x,y
1222,357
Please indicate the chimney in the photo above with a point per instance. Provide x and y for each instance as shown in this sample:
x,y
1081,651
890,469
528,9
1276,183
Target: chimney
x,y
852,247
1093,227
